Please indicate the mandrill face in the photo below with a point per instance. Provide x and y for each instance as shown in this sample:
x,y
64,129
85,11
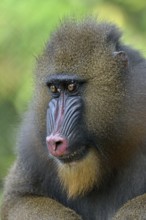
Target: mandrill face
x,y
64,119
86,91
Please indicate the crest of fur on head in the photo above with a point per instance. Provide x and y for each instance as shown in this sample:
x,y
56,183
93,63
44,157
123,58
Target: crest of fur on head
x,y
71,47
80,177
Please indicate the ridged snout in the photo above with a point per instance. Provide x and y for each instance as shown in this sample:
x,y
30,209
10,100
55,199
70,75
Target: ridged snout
x,y
63,119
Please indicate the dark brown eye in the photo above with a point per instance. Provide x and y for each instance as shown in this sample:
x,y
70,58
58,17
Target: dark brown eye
x,y
53,88
71,87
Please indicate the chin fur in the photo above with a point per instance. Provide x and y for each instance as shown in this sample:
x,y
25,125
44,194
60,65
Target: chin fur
x,y
79,177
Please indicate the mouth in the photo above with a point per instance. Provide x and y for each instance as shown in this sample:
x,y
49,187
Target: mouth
x,y
73,156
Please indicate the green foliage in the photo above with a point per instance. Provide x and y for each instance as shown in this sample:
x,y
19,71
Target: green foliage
x,y
25,27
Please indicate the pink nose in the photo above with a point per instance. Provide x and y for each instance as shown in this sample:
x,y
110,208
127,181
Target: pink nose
x,y
57,145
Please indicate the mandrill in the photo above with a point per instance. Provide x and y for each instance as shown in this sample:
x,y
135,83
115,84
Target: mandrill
x,y
82,145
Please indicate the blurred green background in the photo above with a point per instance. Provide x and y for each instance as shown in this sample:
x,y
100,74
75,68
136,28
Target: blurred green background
x,y
24,28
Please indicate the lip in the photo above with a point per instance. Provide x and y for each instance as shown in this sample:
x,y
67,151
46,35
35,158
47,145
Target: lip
x,y
73,156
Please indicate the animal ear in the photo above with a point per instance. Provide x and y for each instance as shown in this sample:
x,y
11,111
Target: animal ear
x,y
121,56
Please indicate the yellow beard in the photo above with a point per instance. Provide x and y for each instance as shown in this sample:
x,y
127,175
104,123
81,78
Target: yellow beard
x,y
81,176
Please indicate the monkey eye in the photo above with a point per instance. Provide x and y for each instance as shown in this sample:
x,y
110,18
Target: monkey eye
x,y
53,88
71,87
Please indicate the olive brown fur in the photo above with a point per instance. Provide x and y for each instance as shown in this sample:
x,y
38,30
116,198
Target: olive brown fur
x,y
82,145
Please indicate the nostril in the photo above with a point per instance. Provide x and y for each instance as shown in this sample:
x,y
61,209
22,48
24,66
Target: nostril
x,y
57,145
